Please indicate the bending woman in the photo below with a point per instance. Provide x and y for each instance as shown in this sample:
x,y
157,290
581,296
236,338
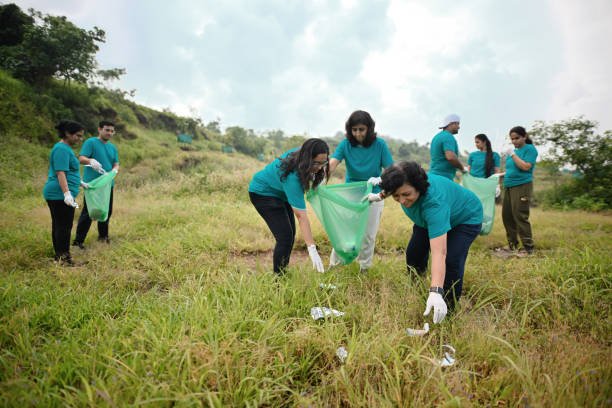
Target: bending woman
x,y
277,192
365,156
447,218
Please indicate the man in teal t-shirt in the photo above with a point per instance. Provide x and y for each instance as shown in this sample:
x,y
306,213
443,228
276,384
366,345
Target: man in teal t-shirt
x,y
98,156
444,149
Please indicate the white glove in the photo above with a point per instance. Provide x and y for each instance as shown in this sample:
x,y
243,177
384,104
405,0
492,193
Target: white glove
x,y
94,164
436,301
317,263
373,197
85,185
116,171
508,150
497,191
69,200
374,180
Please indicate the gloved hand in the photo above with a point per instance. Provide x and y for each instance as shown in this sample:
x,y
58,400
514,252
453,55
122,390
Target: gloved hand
x,y
497,191
317,263
85,185
508,150
436,301
374,180
373,197
94,164
69,200
116,171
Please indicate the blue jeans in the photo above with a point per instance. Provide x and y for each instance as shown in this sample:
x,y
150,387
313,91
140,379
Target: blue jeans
x,y
458,242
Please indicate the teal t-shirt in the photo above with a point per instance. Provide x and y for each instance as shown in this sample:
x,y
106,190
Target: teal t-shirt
x,y
105,153
62,158
515,176
267,182
444,205
442,142
476,161
364,162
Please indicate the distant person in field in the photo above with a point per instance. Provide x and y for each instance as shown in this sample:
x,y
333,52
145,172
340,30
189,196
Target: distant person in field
x,y
484,162
447,218
518,191
445,150
365,156
277,192
62,187
99,156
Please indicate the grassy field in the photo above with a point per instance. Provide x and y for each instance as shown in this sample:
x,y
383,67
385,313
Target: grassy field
x,y
182,308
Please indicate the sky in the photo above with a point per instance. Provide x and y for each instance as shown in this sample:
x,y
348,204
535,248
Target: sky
x,y
304,66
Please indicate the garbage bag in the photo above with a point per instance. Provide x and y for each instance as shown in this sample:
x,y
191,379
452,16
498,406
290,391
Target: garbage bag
x,y
98,196
342,211
484,188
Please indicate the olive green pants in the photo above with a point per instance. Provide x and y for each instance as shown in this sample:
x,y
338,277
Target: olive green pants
x,y
515,214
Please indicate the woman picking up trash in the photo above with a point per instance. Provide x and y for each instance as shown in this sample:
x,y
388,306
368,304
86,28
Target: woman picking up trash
x,y
365,155
277,192
447,218
518,190
62,187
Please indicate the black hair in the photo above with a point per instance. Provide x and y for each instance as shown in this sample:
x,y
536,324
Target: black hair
x,y
105,123
68,126
404,172
301,160
519,130
360,117
489,162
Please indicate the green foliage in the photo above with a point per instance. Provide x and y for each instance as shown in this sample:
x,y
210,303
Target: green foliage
x,y
13,25
244,140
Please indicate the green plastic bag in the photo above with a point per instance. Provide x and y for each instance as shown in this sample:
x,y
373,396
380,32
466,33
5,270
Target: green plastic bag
x,y
98,196
484,188
343,212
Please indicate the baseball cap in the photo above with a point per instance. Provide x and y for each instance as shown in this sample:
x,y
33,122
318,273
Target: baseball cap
x,y
449,119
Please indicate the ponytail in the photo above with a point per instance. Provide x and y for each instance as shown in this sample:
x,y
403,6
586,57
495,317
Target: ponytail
x,y
68,126
489,162
519,130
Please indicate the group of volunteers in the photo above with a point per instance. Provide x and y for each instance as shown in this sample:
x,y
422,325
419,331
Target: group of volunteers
x,y
447,217
99,156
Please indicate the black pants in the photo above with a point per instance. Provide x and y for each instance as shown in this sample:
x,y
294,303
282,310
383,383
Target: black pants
x,y
85,222
281,221
458,242
62,216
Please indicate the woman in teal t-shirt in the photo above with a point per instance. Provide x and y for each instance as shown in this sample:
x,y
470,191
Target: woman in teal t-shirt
x,y
484,162
447,218
518,191
365,156
62,187
277,192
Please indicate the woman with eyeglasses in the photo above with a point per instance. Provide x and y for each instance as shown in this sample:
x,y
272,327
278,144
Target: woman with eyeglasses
x,y
365,156
62,187
277,192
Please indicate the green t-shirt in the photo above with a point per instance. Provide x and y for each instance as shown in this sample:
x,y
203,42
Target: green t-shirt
x,y
444,205
62,158
439,165
476,161
105,153
515,176
364,162
267,182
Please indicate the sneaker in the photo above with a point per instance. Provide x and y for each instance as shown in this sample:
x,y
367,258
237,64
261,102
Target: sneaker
x,y
79,244
106,240
66,260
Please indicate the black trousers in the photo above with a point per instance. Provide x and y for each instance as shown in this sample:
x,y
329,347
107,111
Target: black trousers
x,y
458,242
281,221
62,217
85,222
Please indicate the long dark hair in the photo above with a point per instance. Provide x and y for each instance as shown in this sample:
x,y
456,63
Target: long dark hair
x,y
360,117
301,161
519,130
489,162
404,172
69,126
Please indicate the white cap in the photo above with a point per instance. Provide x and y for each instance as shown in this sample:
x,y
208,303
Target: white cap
x,y
449,119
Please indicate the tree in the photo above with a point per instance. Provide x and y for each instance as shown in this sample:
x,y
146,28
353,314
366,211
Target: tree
x,y
13,24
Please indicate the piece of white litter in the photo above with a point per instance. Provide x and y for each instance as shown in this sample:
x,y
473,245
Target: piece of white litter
x,y
327,286
448,359
342,354
417,332
323,312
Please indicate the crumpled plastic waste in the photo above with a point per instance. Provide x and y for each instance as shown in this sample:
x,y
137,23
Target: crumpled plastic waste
x,y
342,354
417,332
449,358
323,312
327,286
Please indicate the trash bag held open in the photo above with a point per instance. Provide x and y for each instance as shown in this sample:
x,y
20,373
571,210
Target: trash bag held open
x,y
98,196
343,212
484,188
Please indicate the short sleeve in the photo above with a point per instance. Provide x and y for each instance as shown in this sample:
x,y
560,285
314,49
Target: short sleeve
x,y
496,160
294,191
531,155
61,160
339,152
387,160
87,149
449,143
470,159
437,217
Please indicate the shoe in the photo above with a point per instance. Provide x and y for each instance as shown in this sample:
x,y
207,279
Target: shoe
x,y
106,240
524,252
79,244
66,260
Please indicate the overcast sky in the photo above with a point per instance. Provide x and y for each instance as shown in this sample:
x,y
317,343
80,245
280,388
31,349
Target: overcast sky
x,y
304,66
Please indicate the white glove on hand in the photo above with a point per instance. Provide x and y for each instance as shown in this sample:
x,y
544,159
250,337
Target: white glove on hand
x,y
317,263
94,164
373,197
497,191
85,185
374,180
436,301
69,200
508,150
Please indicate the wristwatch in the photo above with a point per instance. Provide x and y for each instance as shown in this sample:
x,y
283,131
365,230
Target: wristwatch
x,y
437,289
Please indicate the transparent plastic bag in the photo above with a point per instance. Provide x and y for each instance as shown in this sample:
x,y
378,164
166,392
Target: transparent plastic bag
x,y
484,188
98,196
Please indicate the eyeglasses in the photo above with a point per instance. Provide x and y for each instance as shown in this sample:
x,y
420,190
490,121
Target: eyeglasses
x,y
319,164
